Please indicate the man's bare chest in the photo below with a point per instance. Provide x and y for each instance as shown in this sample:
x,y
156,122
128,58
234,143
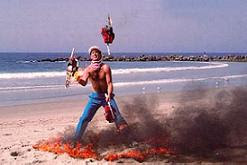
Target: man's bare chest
x,y
97,75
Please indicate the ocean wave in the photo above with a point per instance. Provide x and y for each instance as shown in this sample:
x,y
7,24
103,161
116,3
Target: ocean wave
x,y
168,69
122,84
30,75
35,61
166,81
30,87
25,61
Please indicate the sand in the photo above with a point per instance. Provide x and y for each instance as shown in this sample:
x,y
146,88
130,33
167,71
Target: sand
x,y
24,125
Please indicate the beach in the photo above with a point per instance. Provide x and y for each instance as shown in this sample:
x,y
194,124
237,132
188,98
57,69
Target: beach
x,y
23,126
177,111
176,69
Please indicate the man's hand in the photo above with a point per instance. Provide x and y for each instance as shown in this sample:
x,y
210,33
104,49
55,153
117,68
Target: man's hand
x,y
82,76
107,98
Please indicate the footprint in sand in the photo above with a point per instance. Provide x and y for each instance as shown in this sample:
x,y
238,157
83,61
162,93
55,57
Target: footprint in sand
x,y
38,161
7,148
14,153
24,145
50,129
7,134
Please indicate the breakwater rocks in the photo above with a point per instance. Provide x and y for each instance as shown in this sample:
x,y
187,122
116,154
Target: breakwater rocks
x,y
204,58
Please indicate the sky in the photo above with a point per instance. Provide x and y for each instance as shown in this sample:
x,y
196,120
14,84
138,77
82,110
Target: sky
x,y
139,25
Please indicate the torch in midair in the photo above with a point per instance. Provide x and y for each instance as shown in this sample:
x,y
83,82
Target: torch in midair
x,y
107,34
72,68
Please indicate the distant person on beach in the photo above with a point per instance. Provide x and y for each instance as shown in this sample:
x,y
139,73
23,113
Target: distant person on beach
x,y
99,74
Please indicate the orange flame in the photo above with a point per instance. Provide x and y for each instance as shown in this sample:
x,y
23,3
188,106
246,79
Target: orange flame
x,y
57,146
138,155
135,154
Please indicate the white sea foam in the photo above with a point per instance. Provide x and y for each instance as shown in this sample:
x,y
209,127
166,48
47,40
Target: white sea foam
x,y
25,62
168,69
31,75
31,87
133,83
164,81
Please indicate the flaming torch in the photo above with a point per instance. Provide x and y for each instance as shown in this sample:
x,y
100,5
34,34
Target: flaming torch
x,y
107,34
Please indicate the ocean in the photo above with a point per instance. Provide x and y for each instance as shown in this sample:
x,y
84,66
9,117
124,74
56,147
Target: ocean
x,y
23,80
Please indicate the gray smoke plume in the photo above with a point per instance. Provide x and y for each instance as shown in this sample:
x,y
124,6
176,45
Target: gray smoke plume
x,y
204,124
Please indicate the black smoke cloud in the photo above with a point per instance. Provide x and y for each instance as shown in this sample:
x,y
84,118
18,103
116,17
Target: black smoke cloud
x,y
217,130
194,127
191,129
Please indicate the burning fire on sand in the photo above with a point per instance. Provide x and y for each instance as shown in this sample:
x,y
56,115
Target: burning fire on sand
x,y
142,151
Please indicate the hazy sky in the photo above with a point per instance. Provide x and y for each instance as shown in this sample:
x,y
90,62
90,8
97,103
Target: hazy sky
x,y
139,25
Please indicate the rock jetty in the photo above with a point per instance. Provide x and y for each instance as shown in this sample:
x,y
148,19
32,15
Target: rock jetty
x,y
203,58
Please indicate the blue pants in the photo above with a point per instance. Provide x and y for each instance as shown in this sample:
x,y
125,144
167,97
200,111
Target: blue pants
x,y
96,100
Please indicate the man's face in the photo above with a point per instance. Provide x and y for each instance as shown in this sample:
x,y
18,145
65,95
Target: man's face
x,y
95,55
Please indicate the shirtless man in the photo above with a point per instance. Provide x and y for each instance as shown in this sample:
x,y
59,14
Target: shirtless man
x,y
99,74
